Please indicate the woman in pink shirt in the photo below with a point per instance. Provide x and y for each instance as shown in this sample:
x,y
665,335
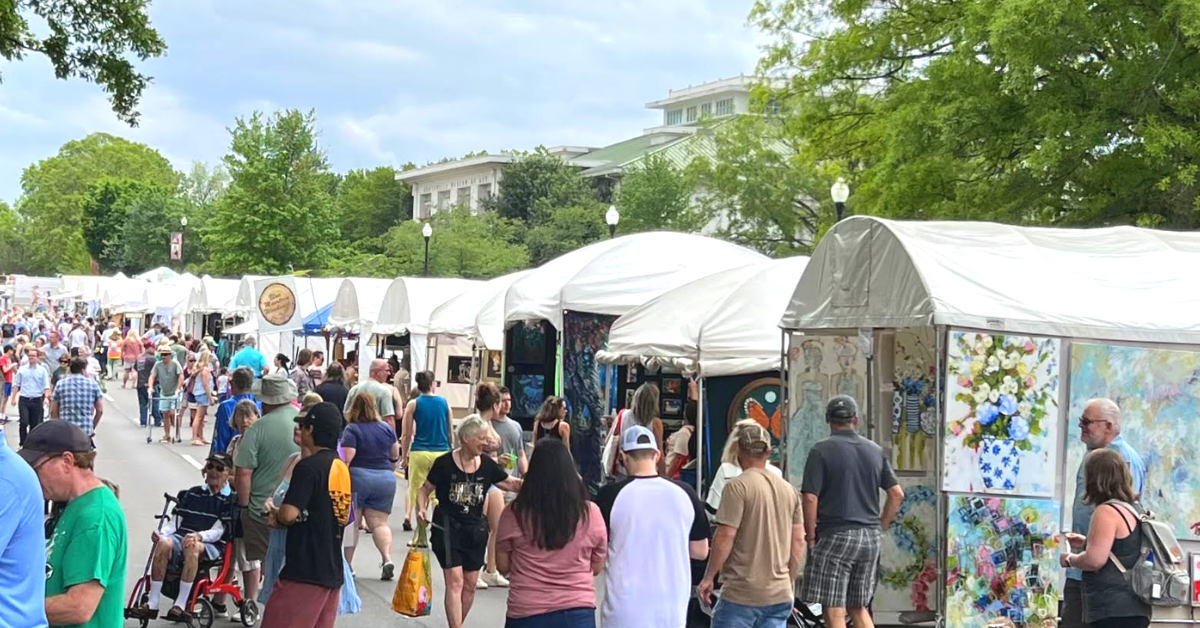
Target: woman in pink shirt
x,y
551,543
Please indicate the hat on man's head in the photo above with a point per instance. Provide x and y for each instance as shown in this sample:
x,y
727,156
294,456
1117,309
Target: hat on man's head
x,y
753,439
841,409
165,350
275,389
637,437
324,418
54,437
222,458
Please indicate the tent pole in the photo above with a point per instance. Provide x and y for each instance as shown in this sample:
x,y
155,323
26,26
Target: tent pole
x,y
700,436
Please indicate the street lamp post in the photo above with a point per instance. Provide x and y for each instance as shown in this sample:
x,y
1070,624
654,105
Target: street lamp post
x,y
840,192
427,231
612,217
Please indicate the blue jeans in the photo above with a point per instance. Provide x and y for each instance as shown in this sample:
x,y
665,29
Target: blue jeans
x,y
730,615
145,410
569,618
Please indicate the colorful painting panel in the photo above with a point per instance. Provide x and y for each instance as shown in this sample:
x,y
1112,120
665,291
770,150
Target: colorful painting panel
x,y
528,394
1002,433
819,367
914,400
583,336
1001,561
908,553
528,343
1158,392
761,400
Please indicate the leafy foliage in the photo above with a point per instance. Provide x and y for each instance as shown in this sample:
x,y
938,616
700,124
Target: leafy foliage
x,y
567,229
88,39
145,234
535,185
369,202
105,211
657,196
12,241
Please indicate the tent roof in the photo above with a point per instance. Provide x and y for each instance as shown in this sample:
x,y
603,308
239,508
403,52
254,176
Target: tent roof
x,y
214,295
314,323
409,301
614,276
245,295
723,324
358,302
1116,283
477,313
123,294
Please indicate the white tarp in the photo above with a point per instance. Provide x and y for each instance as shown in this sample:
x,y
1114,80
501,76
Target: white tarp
x,y
358,302
408,302
1117,283
125,294
462,315
244,303
214,295
723,324
617,275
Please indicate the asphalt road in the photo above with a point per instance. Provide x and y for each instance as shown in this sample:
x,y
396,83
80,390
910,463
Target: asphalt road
x,y
145,471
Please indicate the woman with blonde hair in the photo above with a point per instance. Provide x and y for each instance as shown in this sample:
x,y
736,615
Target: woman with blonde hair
x,y
730,467
372,451
202,388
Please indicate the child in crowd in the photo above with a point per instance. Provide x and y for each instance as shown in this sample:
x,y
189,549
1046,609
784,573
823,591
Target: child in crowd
x,y
223,392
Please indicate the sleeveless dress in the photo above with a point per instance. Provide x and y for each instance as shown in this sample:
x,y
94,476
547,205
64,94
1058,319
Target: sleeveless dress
x,y
1107,597
540,432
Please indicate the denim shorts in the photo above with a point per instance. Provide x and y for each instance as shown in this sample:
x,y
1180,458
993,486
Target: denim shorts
x,y
168,403
373,488
584,617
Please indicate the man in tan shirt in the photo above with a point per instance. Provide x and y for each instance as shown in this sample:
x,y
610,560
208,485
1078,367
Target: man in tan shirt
x,y
759,544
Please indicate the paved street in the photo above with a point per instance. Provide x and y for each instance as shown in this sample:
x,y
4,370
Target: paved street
x,y
145,471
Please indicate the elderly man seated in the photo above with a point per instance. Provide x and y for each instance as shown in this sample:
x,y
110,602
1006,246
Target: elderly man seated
x,y
200,520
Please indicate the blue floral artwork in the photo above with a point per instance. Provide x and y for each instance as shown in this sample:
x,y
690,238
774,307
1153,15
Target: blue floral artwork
x,y
908,576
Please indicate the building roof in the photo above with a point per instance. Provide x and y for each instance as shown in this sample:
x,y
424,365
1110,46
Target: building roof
x,y
450,166
740,83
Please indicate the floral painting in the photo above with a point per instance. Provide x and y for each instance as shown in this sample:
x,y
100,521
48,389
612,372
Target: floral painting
x,y
908,553
1158,391
1002,561
914,400
1002,432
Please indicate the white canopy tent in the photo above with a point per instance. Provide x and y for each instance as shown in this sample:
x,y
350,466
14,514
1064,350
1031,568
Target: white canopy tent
x,y
312,294
125,295
723,324
617,275
214,296
244,302
406,308
1118,283
477,314
357,304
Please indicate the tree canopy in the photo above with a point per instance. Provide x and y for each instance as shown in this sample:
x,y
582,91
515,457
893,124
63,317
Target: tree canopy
x,y
657,196
369,202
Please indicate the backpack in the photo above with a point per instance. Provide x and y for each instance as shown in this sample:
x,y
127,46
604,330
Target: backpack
x,y
1159,577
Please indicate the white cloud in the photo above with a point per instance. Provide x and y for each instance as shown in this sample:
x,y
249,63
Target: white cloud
x,y
376,51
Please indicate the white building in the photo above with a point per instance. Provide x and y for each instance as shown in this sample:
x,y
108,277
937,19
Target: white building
x,y
689,106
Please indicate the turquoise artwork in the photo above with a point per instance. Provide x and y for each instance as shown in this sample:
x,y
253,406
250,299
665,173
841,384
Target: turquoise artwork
x,y
1001,561
819,367
1158,391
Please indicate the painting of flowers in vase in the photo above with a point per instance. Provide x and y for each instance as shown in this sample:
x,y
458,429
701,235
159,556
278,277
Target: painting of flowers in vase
x,y
1002,431
914,400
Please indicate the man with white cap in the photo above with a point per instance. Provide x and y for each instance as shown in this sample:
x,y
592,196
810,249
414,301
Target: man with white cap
x,y
655,526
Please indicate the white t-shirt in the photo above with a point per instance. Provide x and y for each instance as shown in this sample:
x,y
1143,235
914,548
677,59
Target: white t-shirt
x,y
79,338
651,521
727,472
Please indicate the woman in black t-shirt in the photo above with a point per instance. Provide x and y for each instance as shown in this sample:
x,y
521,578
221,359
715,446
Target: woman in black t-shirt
x,y
459,536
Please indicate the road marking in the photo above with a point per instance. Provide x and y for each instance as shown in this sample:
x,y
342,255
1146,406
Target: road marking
x,y
191,461
108,398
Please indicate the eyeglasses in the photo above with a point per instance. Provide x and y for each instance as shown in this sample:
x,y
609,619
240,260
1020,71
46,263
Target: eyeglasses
x,y
215,466
44,461
1084,421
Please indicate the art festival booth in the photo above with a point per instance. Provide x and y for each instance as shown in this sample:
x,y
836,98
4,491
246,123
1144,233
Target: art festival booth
x,y
972,349
211,302
572,301
724,330
274,332
403,327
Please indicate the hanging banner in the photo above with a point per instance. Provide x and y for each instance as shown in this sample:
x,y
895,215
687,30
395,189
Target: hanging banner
x,y
276,304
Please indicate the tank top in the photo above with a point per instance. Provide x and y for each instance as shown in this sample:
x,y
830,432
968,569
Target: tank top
x,y
1106,593
540,432
429,416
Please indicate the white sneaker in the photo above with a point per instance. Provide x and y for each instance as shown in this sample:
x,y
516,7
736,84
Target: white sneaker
x,y
493,579
479,583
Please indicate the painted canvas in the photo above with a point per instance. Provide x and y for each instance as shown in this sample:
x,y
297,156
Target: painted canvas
x,y
914,400
528,394
761,400
458,369
1002,433
819,367
908,553
1159,395
583,336
528,343
1002,561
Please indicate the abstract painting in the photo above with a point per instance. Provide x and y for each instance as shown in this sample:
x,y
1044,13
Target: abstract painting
x,y
583,336
908,553
1001,561
819,367
1158,391
528,343
761,400
528,395
914,400
1002,433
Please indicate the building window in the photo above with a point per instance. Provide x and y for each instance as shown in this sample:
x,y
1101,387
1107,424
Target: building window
x,y
484,192
464,197
725,107
425,209
706,109
773,107
675,117
691,113
443,199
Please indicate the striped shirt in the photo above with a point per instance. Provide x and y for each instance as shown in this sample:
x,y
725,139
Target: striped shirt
x,y
201,511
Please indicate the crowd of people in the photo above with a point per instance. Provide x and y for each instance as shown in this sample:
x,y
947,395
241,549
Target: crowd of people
x,y
301,463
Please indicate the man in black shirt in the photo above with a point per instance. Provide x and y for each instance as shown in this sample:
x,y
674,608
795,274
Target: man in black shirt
x,y
315,510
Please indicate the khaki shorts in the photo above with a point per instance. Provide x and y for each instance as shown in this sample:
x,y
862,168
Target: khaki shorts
x,y
256,536
419,463
239,557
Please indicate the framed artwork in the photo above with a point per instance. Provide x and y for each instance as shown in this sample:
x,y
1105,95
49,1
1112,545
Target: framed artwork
x,y
761,400
1195,561
629,398
631,374
1002,430
528,394
458,370
819,367
494,360
672,408
914,400
908,573
672,386
528,343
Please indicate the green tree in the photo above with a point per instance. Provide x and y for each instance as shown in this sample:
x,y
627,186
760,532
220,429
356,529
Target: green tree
x,y
369,202
535,185
656,195
12,241
55,191
145,234
567,229
277,214
88,39
105,209
1039,111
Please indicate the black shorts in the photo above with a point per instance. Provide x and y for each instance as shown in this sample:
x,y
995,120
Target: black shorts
x,y
459,543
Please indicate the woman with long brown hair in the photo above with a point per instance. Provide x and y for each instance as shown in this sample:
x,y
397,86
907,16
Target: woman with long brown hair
x,y
551,421
201,383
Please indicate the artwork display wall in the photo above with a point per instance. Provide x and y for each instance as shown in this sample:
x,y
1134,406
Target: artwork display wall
x,y
914,400
1002,433
819,367
761,400
1158,392
583,336
1002,561
908,575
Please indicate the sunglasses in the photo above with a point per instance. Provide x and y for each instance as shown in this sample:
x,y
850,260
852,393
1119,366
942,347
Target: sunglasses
x,y
214,466
44,461
1084,421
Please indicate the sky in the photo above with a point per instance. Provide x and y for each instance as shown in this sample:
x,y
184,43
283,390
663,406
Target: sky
x,y
391,81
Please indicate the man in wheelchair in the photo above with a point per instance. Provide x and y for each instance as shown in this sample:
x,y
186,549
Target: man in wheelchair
x,y
193,541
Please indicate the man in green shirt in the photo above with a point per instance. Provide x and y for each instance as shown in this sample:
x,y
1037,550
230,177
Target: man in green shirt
x,y
85,557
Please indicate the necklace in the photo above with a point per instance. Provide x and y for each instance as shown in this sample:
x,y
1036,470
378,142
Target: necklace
x,y
462,462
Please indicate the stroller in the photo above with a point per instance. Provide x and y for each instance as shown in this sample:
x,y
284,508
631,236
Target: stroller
x,y
199,609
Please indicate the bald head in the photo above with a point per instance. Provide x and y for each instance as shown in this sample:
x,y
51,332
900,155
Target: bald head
x,y
379,370
1100,423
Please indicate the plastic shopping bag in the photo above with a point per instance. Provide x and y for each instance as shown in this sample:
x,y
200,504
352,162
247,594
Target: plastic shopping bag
x,y
414,589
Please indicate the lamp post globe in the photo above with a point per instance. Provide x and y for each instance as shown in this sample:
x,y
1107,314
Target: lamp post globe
x,y
427,231
839,191
612,217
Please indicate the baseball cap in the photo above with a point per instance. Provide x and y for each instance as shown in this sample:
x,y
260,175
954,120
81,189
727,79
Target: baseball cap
x,y
841,408
221,458
54,437
637,437
324,418
753,439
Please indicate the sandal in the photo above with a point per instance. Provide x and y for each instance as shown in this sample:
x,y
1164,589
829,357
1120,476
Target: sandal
x,y
143,612
165,439
197,443
175,614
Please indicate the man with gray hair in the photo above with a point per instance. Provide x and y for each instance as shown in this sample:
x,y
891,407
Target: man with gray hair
x,y
1100,428
842,480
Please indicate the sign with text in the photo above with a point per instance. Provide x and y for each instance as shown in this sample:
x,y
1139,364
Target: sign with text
x,y
176,246
276,303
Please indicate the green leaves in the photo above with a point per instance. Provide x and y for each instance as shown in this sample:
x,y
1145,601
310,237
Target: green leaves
x,y
657,196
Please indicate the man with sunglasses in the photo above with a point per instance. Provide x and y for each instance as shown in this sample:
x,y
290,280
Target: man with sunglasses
x,y
200,520
85,555
1100,428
